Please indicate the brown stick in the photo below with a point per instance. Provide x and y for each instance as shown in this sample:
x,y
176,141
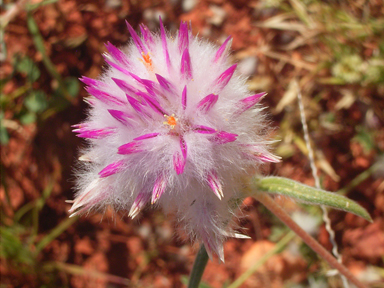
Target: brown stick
x,y
11,13
271,205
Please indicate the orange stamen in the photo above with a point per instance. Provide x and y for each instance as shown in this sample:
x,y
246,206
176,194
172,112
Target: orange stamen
x,y
171,121
147,61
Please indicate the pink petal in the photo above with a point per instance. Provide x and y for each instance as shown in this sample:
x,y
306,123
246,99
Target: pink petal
x,y
183,40
178,162
223,48
207,103
186,65
141,200
89,101
158,189
147,136
134,76
164,44
165,84
260,154
269,157
179,159
93,133
117,67
134,103
120,116
248,102
111,169
146,34
152,88
91,82
214,183
85,197
127,88
80,125
204,129
224,137
183,146
104,96
117,55
130,148
211,247
184,98
224,78
136,39
152,103
138,107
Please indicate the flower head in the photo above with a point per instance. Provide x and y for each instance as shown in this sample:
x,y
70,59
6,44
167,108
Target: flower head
x,y
171,124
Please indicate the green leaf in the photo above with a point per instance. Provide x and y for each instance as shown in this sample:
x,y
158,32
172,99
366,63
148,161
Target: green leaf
x,y
11,246
309,195
365,139
28,118
26,66
54,233
4,137
73,86
36,101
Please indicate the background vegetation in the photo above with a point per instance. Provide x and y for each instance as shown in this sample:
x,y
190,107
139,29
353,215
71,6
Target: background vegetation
x,y
333,49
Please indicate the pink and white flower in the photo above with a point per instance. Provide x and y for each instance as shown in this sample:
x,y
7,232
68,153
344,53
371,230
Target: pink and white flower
x,y
171,124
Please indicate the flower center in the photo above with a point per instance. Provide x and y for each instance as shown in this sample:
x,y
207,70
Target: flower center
x,y
171,121
147,61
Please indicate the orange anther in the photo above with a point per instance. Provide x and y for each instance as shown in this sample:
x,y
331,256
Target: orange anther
x,y
171,121
147,61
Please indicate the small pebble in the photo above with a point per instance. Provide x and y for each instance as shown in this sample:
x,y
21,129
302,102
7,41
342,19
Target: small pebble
x,y
188,5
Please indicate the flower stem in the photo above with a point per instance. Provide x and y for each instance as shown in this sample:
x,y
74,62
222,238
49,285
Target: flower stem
x,y
309,240
198,267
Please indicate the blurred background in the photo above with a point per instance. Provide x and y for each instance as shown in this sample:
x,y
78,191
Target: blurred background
x,y
333,49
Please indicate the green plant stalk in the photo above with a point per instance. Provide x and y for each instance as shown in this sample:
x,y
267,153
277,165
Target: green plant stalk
x,y
39,43
198,267
54,233
31,7
279,246
271,205
308,194
358,179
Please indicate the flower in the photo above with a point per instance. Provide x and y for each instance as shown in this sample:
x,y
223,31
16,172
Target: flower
x,y
171,124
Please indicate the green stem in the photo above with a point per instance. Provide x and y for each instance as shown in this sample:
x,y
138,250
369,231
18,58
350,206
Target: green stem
x,y
198,267
358,180
51,68
309,240
54,233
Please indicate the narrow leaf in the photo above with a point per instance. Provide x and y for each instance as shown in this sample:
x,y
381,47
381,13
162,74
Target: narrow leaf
x,y
310,195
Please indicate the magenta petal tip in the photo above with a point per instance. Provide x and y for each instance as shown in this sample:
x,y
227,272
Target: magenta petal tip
x,y
207,103
158,189
186,65
147,136
224,78
130,148
136,39
111,169
184,98
249,102
224,137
